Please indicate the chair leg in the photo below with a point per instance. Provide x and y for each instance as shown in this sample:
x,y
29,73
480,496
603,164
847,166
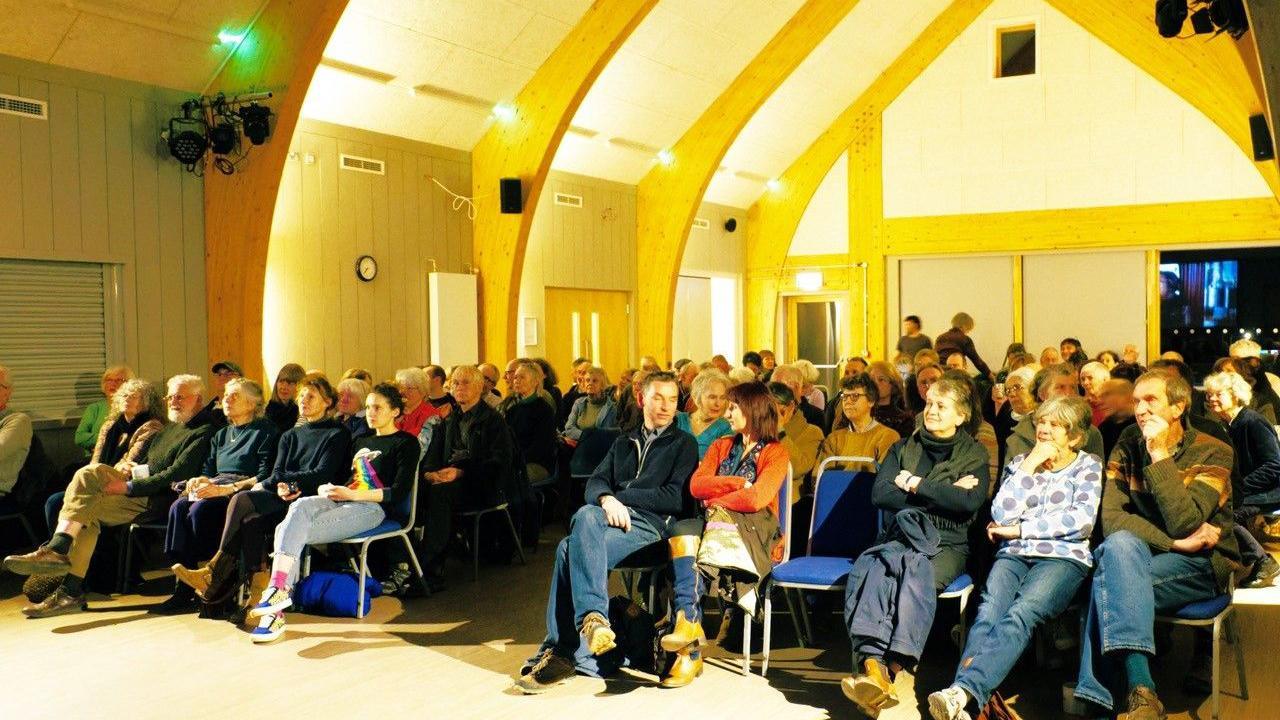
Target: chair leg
x,y
364,568
1217,629
515,535
795,615
746,644
1233,634
804,615
475,548
653,588
413,557
768,629
128,557
121,573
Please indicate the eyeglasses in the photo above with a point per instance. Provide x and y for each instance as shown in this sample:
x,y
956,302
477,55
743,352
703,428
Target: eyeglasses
x,y
852,397
179,398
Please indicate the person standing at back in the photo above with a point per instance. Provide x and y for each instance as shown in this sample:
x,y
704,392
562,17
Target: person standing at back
x,y
957,340
912,340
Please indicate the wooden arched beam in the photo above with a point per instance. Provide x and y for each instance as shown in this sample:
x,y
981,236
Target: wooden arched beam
x,y
773,219
1210,75
524,147
280,54
669,195
1263,49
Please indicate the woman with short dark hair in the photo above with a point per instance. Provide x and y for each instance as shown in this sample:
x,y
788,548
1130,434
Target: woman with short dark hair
x,y
742,474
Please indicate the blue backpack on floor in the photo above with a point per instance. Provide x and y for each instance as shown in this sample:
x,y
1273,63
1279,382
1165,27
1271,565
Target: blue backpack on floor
x,y
333,594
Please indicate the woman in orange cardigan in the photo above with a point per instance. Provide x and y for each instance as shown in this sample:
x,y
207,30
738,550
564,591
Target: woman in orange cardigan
x,y
743,472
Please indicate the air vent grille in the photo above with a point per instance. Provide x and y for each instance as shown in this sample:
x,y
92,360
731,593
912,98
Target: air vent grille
x,y
364,165
568,200
24,107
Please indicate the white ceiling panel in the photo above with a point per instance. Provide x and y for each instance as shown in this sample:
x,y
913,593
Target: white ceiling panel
x,y
843,65
132,52
33,30
680,58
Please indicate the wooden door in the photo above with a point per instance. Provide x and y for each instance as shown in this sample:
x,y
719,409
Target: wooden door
x,y
587,323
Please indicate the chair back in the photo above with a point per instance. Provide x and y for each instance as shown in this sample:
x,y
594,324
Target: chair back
x,y
409,506
844,522
592,448
784,514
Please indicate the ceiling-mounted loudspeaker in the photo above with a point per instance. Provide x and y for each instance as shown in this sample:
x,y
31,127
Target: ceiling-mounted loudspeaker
x,y
510,196
1262,147
731,224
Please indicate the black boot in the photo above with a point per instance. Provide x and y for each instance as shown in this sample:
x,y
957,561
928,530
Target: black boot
x,y
183,600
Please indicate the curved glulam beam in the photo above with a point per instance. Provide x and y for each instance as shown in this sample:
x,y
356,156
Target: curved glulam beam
x,y
1264,31
280,54
1210,75
773,219
669,195
524,147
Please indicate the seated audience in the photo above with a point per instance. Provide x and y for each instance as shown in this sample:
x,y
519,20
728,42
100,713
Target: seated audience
x,y
925,376
309,455
707,423
740,375
857,433
1265,402
1092,377
649,364
414,385
223,373
359,374
799,437
549,382
594,408
929,490
630,505
1255,479
1117,402
1196,415
381,480
912,340
742,474
1019,402
854,365
1050,356
1130,354
350,410
630,407
1072,353
96,413
1051,381
102,495
241,455
751,361
1013,359
580,368
768,361
137,414
469,464
811,391
15,435
685,374
891,404
1041,520
719,362
532,424
980,429
1248,348
791,376
282,411
437,395
492,397
957,340
1166,520
1109,359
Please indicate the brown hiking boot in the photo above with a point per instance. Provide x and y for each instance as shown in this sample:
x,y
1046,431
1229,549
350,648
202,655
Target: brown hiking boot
x,y
41,561
1143,705
197,580
598,633
685,634
59,603
686,667
550,670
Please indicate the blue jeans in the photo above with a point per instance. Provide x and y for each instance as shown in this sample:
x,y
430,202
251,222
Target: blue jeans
x,y
1132,584
580,581
314,520
1021,594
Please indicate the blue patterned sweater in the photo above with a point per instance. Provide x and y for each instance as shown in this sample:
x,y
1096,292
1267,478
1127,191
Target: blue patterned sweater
x,y
1057,510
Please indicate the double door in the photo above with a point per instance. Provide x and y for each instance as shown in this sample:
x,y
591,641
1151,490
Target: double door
x,y
593,324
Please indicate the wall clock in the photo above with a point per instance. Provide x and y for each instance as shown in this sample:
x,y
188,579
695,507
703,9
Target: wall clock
x,y
366,268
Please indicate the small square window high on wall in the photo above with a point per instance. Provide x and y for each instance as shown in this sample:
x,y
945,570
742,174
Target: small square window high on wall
x,y
1015,51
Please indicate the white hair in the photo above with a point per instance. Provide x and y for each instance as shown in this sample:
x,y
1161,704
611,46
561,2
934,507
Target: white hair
x,y
1244,348
1026,374
413,377
178,382
807,371
1234,382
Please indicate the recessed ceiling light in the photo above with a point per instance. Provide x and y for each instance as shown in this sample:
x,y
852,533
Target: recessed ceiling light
x,y
666,157
226,37
506,112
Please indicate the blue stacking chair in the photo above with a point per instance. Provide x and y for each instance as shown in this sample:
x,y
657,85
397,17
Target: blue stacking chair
x,y
387,530
1216,613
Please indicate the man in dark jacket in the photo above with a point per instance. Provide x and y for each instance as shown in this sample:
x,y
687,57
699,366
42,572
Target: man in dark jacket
x,y
632,499
104,495
467,466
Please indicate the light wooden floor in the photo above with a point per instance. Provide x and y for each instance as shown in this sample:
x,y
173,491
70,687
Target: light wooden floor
x,y
453,656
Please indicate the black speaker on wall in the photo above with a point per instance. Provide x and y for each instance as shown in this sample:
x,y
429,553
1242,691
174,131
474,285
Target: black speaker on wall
x,y
1262,147
509,191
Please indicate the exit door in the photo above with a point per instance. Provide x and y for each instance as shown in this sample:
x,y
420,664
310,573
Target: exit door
x,y
814,334
593,324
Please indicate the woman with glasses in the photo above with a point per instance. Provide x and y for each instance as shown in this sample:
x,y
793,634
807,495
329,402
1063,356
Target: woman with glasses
x,y
1019,402
857,432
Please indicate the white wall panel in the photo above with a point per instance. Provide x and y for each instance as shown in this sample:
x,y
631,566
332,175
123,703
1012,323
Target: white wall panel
x,y
938,288
1096,297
